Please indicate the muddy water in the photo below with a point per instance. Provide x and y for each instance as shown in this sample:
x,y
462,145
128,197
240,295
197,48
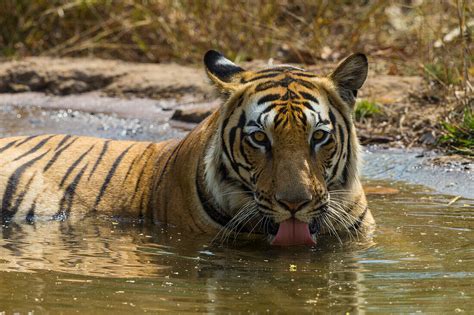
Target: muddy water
x,y
420,259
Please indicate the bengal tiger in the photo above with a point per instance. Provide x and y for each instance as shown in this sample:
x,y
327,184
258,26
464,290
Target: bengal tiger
x,y
279,158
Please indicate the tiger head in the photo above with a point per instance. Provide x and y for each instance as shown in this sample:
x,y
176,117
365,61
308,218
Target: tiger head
x,y
285,141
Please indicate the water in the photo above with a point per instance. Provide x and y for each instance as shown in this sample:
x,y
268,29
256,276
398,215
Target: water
x,y
421,259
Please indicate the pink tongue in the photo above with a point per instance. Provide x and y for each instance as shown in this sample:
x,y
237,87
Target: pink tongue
x,y
293,232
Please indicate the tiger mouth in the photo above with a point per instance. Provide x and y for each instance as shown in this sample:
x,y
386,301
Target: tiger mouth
x,y
313,227
293,232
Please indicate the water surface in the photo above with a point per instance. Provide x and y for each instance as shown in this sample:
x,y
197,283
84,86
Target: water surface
x,y
421,259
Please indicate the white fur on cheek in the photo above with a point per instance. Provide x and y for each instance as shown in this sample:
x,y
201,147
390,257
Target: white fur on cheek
x,y
211,159
228,196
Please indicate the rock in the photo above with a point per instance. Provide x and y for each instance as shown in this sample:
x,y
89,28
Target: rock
x,y
70,87
366,138
428,138
194,113
29,78
18,88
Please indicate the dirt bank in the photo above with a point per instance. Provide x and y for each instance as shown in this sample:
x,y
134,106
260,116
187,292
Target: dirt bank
x,y
64,76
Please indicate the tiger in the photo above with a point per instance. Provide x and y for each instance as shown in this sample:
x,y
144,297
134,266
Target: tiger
x,y
279,159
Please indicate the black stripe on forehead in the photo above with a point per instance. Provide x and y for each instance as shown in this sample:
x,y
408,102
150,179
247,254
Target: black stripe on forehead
x,y
299,114
285,82
264,76
274,72
309,97
323,121
290,94
306,84
308,106
303,74
295,109
268,98
285,115
265,86
280,69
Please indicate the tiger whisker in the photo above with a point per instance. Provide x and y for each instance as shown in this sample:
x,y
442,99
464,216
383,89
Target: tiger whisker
x,y
341,220
256,224
230,225
345,217
331,228
236,193
243,220
249,218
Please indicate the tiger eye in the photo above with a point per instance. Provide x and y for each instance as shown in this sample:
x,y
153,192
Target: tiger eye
x,y
259,136
319,135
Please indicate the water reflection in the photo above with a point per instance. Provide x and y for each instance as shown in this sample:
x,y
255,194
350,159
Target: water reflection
x,y
421,259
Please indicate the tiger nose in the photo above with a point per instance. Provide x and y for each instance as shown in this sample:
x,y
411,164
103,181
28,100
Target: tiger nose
x,y
294,204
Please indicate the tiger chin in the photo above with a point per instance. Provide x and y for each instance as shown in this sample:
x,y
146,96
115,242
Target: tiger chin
x,y
279,159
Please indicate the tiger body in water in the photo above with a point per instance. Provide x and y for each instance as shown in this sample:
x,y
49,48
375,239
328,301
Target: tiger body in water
x,y
279,158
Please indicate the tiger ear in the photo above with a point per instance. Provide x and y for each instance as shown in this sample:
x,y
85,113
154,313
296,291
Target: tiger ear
x,y
222,72
350,75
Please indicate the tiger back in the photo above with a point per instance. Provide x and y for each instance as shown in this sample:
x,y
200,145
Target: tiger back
x,y
63,176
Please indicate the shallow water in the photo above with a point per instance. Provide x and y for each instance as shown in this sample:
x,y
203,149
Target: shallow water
x,y
421,259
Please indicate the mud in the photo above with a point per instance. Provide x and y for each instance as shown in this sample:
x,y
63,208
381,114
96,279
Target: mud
x,y
64,76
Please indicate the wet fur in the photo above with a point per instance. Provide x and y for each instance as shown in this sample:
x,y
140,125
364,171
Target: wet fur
x,y
193,183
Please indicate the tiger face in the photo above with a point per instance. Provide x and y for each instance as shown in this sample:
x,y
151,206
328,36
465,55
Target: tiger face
x,y
286,141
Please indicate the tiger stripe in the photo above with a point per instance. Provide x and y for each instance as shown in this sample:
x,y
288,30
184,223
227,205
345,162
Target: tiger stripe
x,y
59,150
7,146
74,165
12,185
108,178
35,148
65,204
25,140
63,141
101,156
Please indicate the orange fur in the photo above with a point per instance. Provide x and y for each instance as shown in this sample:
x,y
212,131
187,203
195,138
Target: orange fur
x,y
214,173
